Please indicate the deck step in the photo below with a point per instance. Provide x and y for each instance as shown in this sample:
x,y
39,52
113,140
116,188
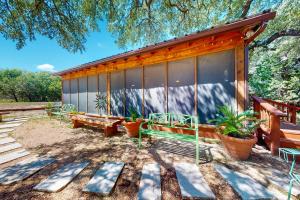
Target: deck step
x,y
289,143
13,156
24,169
7,140
7,130
150,184
10,147
191,181
105,178
4,126
244,185
61,177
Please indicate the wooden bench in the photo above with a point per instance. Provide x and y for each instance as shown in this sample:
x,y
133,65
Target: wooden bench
x,y
172,126
3,113
110,126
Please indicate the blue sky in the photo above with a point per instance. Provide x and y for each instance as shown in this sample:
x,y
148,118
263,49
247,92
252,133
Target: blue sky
x,y
44,53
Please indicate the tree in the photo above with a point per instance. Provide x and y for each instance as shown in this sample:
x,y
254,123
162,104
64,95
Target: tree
x,y
8,83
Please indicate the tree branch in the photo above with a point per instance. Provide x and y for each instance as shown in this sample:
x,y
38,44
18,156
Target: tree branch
x,y
246,8
265,43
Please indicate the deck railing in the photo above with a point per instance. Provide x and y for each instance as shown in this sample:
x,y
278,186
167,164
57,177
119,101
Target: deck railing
x,y
271,125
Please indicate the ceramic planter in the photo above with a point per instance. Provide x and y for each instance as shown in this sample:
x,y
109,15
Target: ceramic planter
x,y
132,128
239,149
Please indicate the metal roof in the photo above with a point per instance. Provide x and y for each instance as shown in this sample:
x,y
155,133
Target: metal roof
x,y
247,21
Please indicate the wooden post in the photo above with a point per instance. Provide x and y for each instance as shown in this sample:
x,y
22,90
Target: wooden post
x,y
240,77
275,133
293,114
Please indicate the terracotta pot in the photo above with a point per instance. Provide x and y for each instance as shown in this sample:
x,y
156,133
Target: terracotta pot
x,y
239,149
132,128
49,113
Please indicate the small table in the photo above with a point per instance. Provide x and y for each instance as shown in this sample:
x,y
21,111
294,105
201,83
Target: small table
x,y
109,125
288,151
3,113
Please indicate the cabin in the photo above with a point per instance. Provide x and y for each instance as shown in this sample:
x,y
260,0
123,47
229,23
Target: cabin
x,y
193,74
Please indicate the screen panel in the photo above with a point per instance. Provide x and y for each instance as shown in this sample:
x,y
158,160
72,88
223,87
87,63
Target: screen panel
x,y
181,84
154,89
74,92
215,83
66,92
92,91
82,93
134,90
102,90
117,88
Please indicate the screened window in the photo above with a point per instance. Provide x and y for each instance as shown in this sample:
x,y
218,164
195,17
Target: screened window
x,y
92,91
215,83
181,86
102,90
134,90
154,91
66,92
82,94
74,92
117,88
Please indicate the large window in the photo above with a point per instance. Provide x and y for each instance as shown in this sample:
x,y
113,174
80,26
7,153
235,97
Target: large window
x,y
74,92
181,86
92,91
82,94
154,83
117,88
134,90
215,83
66,91
102,90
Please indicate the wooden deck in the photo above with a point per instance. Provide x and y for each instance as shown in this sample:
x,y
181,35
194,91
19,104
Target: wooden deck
x,y
280,128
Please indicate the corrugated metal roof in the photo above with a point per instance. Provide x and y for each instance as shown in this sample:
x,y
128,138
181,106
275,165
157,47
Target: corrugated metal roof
x,y
250,20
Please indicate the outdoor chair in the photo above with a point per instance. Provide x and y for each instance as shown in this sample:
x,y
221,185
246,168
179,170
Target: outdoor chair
x,y
294,177
63,111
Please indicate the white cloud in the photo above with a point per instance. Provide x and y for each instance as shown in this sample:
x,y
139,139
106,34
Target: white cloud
x,y
46,68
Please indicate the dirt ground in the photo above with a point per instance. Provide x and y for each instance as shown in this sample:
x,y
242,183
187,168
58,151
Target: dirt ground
x,y
44,136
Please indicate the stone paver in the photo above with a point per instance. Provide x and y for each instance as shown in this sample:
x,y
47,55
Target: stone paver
x,y
61,177
15,121
10,147
4,126
3,135
7,140
105,178
150,183
244,185
24,169
191,181
13,156
7,130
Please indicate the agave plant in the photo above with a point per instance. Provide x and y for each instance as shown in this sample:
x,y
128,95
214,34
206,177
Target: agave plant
x,y
101,101
230,123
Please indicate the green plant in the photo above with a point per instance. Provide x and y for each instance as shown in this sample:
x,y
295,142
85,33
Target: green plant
x,y
101,101
49,106
230,123
133,114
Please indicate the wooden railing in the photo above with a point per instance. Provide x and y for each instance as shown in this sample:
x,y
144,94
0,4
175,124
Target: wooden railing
x,y
290,110
271,125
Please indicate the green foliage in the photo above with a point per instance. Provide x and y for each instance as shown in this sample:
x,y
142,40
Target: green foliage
x,y
49,105
230,123
29,86
101,101
133,114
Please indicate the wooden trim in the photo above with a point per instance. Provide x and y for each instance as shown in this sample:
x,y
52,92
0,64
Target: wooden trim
x,y
240,78
143,90
195,85
166,86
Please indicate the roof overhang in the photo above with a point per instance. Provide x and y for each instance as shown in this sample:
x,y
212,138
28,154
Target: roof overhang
x,y
250,26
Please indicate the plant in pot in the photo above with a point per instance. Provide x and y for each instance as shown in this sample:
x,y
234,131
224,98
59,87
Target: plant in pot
x,y
101,101
237,131
132,124
49,108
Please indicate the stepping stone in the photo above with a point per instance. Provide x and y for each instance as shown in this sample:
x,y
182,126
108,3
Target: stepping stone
x,y
150,184
191,182
13,156
244,185
24,169
7,140
10,147
15,121
2,126
61,177
3,135
7,130
105,178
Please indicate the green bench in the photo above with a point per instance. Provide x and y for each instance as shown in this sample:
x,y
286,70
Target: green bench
x,y
62,111
172,126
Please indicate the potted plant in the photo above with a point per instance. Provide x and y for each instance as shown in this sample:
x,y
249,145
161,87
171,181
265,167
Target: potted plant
x,y
49,108
237,131
101,102
132,124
